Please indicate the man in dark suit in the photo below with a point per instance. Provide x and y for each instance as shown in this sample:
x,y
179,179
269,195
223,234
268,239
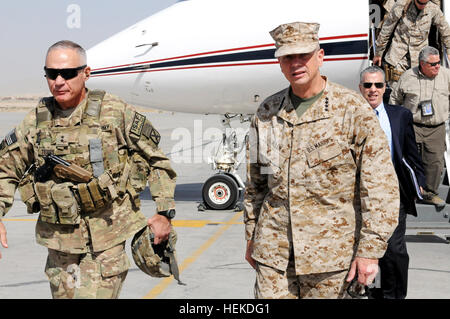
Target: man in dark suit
x,y
397,123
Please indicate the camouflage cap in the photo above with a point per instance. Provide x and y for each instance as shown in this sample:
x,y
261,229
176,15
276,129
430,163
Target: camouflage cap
x,y
155,260
296,38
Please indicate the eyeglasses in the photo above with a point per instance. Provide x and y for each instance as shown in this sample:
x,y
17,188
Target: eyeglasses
x,y
433,63
66,74
378,85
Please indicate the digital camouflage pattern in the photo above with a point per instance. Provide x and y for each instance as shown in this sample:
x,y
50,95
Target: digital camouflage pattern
x,y
307,178
296,38
123,132
154,260
389,4
411,34
87,276
276,284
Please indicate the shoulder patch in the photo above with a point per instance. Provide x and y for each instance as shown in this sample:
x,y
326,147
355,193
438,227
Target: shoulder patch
x,y
271,105
150,133
9,140
138,124
155,136
11,137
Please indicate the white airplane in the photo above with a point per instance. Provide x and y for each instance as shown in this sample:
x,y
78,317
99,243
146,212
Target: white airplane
x,y
217,57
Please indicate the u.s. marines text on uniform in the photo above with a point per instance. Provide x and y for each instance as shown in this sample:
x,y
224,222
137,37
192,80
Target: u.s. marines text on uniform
x,y
321,198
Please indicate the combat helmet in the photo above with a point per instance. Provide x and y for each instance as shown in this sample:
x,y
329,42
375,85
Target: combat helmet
x,y
155,260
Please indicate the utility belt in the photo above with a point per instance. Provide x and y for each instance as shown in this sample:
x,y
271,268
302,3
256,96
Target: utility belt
x,y
65,203
427,125
391,73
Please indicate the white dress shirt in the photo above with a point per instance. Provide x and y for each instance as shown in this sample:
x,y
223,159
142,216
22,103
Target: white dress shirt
x,y
385,124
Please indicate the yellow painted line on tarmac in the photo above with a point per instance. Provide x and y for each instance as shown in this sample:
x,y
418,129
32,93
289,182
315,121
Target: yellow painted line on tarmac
x,y
198,223
158,289
189,223
175,223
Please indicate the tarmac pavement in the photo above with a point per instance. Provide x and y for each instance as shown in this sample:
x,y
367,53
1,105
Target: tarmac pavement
x,y
211,244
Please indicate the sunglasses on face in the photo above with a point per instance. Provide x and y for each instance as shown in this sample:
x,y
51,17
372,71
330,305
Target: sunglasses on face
x,y
66,74
378,85
421,3
433,63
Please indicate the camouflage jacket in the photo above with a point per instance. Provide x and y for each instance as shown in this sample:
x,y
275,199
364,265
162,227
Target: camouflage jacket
x,y
122,135
411,34
307,178
389,4
414,87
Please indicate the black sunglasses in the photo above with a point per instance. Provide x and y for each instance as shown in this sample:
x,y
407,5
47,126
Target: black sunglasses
x,y
66,74
378,85
433,63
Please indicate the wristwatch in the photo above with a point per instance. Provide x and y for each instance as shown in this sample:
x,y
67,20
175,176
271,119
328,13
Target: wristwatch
x,y
168,213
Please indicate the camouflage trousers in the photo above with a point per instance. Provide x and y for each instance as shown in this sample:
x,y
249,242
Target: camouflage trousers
x,y
272,283
401,67
97,275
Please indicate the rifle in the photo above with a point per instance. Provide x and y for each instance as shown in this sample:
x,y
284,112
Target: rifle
x,y
62,169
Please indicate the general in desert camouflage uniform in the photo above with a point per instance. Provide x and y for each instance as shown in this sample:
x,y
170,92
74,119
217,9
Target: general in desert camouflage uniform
x,y
308,172
408,22
85,225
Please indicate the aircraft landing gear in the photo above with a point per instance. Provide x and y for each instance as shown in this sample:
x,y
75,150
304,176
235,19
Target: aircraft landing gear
x,y
220,192
224,190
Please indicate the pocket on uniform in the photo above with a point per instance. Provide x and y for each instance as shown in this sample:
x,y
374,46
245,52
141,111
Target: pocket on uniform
x,y
53,273
115,265
48,209
28,196
68,209
139,172
443,91
419,33
323,154
269,144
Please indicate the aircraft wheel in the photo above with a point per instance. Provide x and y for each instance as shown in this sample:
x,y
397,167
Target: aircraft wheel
x,y
220,192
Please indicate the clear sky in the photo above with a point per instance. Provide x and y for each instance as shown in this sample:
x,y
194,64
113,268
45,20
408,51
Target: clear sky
x,y
29,27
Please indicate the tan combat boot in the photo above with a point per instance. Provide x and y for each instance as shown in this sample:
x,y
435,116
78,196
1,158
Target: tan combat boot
x,y
432,199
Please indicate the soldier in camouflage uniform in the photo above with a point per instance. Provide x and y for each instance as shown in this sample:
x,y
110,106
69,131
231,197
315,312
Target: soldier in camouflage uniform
x,y
317,164
85,225
389,4
408,23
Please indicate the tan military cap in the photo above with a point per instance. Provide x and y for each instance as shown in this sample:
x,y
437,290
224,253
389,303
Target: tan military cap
x,y
296,38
